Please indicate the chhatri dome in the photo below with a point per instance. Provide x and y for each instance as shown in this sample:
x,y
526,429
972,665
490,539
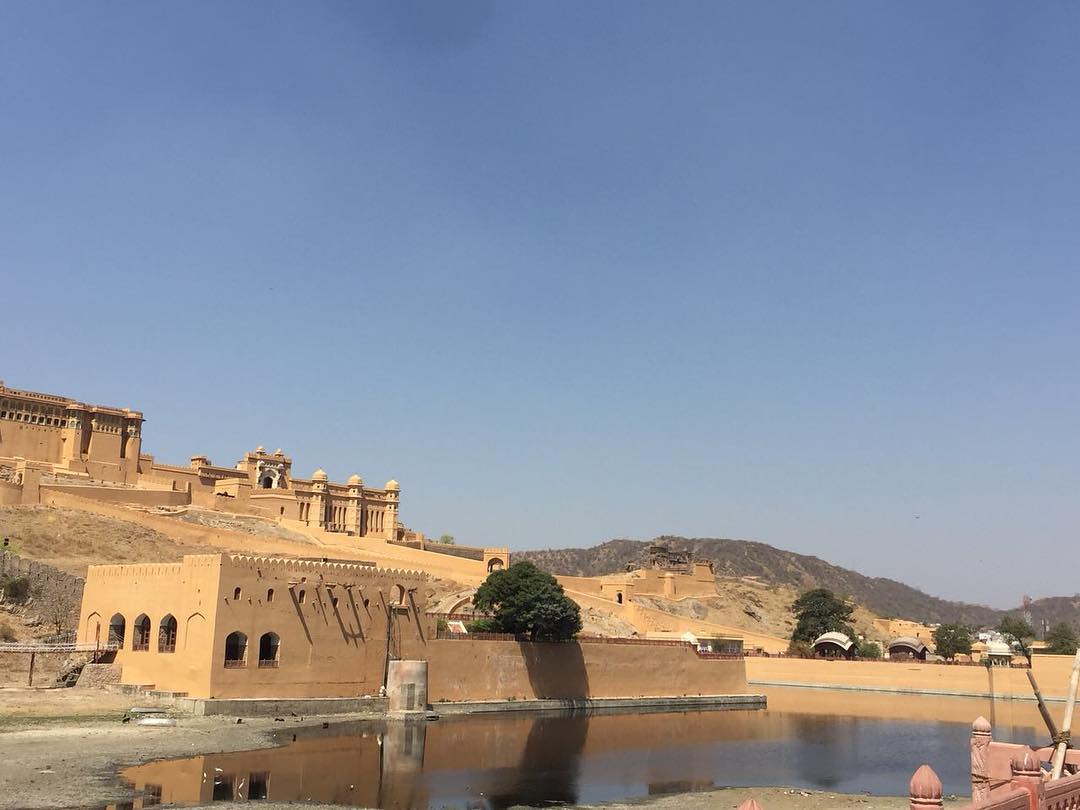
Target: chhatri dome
x,y
319,475
355,480
392,484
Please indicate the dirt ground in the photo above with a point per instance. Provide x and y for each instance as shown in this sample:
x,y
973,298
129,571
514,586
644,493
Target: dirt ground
x,y
62,747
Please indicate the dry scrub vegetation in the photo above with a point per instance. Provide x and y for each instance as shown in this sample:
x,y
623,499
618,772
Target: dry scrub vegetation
x,y
70,539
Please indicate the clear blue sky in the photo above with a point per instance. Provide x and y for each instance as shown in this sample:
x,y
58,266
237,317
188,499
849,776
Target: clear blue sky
x,y
797,272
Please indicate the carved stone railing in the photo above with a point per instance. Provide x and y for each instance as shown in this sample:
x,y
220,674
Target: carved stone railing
x,y
1027,788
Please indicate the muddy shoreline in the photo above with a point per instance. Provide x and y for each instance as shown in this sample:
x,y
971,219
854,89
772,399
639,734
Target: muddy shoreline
x,y
67,748
60,748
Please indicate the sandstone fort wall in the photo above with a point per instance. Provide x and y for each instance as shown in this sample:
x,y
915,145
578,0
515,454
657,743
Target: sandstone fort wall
x,y
1051,671
498,670
48,585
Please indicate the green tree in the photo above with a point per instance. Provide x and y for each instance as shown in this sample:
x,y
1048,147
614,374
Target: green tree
x,y
527,601
869,649
820,611
1017,632
951,640
448,539
15,588
1061,639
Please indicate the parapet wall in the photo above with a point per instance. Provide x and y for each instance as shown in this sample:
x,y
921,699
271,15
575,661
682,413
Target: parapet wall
x,y
465,669
143,497
1051,671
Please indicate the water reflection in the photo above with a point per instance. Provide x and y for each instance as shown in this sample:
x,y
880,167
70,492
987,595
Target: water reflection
x,y
496,761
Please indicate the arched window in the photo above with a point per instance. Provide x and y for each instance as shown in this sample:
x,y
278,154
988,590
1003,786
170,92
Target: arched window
x,y
235,650
494,564
116,631
167,635
300,597
269,647
269,594
236,593
267,482
140,637
399,594
618,597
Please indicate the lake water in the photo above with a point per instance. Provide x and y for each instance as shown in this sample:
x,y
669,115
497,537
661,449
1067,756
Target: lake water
x,y
815,739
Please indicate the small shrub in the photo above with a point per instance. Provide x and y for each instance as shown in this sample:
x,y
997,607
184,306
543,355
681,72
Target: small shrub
x,y
6,631
16,589
869,649
481,626
442,626
800,649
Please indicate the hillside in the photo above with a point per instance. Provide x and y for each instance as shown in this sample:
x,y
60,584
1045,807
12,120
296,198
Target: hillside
x,y
742,558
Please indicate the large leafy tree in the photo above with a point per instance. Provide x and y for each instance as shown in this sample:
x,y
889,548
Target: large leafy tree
x,y
527,601
1061,639
820,611
951,640
1018,633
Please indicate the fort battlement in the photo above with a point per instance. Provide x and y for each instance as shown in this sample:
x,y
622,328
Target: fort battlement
x,y
366,571
62,436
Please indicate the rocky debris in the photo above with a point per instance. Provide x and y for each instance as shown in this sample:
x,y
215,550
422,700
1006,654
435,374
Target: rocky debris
x,y
70,671
247,524
596,622
93,676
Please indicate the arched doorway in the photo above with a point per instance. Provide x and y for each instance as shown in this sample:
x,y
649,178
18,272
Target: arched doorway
x,y
235,649
269,649
117,626
167,635
140,637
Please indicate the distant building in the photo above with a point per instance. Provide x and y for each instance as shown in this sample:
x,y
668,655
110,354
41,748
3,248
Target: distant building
x,y
834,645
908,647
49,442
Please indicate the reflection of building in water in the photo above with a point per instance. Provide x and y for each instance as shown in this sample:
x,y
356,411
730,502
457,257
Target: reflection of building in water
x,y
346,771
219,625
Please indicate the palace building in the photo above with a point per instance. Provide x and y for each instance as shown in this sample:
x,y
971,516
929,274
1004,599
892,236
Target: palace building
x,y
50,442
233,625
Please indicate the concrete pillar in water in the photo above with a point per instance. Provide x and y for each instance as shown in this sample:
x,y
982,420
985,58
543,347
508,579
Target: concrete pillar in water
x,y
407,686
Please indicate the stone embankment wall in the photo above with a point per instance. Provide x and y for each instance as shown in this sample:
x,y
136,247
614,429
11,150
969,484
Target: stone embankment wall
x,y
1051,671
469,669
48,586
142,497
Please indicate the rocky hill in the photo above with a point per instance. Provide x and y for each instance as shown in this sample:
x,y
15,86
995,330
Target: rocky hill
x,y
885,597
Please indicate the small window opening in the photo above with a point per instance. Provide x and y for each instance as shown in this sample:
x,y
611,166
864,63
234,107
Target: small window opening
x,y
236,593
269,594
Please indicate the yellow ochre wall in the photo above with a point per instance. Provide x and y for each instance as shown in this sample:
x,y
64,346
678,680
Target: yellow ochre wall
x,y
325,651
1051,671
185,590
497,670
